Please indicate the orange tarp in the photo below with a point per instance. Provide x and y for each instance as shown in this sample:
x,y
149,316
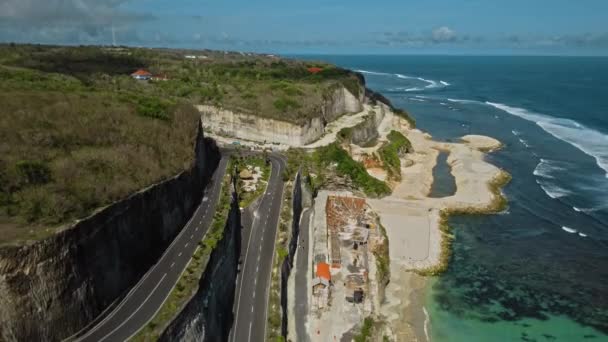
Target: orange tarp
x,y
323,271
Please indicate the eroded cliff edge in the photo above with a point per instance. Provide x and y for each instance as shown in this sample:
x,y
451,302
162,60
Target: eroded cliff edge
x,y
53,288
234,124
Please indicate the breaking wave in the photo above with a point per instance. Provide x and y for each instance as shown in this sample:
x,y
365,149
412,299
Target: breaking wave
x,y
553,190
465,101
569,230
546,168
589,141
430,84
373,72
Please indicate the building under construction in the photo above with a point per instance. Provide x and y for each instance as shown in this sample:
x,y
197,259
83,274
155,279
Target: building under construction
x,y
348,219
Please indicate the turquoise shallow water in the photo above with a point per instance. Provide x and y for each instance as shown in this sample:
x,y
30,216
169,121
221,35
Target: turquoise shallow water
x,y
446,326
539,270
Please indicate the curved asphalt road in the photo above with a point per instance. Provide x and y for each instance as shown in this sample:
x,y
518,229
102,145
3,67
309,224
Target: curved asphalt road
x,y
253,284
146,298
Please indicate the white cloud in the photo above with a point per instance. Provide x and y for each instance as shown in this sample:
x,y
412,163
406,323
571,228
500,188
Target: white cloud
x,y
443,34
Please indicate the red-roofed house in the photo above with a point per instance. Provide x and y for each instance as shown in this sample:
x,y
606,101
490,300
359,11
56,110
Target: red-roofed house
x,y
141,74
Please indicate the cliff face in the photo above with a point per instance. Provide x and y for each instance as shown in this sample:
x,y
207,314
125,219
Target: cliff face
x,y
250,127
367,131
302,198
342,102
208,316
55,287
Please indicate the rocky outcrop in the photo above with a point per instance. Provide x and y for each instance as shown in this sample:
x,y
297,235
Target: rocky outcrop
x,y
341,102
255,128
208,315
367,131
53,288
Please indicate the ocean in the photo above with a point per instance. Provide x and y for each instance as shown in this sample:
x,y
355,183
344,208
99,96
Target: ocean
x,y
539,270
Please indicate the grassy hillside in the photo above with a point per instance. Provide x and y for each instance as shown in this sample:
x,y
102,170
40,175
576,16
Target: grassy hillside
x,y
79,133
263,85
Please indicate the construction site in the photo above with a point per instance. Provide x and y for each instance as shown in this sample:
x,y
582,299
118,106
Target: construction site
x,y
343,290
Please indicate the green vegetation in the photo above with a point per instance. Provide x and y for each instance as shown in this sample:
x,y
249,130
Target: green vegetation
x,y
78,133
246,198
325,163
63,155
366,330
498,204
390,153
346,166
187,284
282,242
381,253
371,330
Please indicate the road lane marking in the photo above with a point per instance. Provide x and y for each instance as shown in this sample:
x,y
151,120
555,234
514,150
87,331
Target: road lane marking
x,y
150,271
180,254
256,218
138,308
172,264
186,245
191,236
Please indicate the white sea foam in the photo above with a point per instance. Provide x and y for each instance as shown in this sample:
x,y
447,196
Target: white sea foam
x,y
416,99
373,72
582,235
427,321
430,83
552,190
465,101
524,142
414,89
546,168
588,140
569,230
577,209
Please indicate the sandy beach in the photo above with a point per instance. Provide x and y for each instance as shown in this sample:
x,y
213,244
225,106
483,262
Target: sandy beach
x,y
412,218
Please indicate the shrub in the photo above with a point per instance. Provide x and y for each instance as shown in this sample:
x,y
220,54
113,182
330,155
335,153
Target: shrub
x,y
346,166
33,172
284,103
153,108
390,153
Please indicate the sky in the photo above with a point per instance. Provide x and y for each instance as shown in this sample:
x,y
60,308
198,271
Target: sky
x,y
530,27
